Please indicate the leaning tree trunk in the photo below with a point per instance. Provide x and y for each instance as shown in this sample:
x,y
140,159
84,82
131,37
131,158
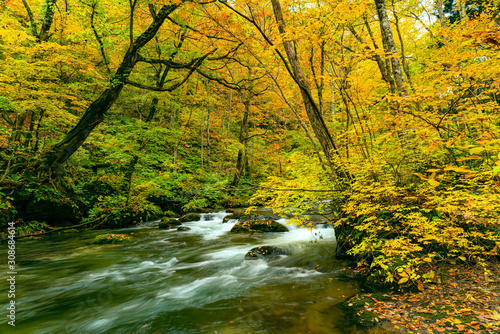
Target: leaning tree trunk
x,y
94,115
390,46
312,110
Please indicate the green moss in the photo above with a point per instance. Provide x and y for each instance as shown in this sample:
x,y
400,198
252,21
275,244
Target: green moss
x,y
169,223
170,214
190,217
234,215
256,225
356,307
110,238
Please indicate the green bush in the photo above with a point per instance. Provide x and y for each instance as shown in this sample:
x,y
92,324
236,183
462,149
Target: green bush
x,y
112,212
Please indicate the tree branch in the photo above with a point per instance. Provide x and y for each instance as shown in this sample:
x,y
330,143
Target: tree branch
x,y
99,40
193,68
32,19
291,189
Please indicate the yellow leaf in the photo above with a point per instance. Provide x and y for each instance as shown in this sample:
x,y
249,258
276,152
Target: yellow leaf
x,y
433,182
403,280
421,176
429,275
432,147
458,169
476,150
427,259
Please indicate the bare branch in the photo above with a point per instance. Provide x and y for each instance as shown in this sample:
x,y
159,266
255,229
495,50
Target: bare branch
x,y
99,40
193,68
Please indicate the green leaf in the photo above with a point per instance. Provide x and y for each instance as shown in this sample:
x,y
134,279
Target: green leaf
x,y
433,182
476,150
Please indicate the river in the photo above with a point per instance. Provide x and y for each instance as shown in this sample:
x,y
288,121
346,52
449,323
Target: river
x,y
169,281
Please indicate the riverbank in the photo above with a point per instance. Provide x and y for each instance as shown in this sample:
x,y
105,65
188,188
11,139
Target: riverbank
x,y
465,300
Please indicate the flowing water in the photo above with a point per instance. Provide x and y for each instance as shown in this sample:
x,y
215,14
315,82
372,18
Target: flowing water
x,y
169,281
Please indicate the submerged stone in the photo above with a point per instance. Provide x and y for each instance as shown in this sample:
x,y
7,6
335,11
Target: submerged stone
x,y
257,225
265,252
169,223
183,228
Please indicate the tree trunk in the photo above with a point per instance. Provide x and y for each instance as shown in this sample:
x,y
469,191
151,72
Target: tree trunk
x,y
128,177
312,110
18,128
242,161
439,4
390,46
94,115
47,21
461,9
406,68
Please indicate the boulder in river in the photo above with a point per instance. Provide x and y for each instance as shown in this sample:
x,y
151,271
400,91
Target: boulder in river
x,y
169,223
190,217
183,228
263,252
110,238
257,225
252,217
234,215
242,216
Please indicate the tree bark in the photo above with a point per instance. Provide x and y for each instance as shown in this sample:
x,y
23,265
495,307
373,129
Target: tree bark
x,y
406,68
18,128
461,9
390,46
47,21
94,115
439,4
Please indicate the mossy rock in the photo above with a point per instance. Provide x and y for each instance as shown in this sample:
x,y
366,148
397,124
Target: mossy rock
x,y
170,214
130,216
169,223
110,238
234,215
264,252
71,230
257,225
253,217
190,217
